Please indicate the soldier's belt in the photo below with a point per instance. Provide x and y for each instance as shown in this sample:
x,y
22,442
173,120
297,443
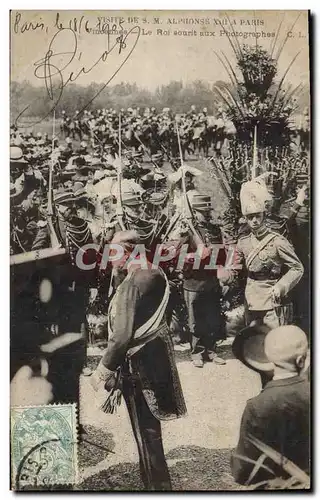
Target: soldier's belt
x,y
263,276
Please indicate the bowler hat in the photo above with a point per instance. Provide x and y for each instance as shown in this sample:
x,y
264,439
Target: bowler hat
x,y
248,347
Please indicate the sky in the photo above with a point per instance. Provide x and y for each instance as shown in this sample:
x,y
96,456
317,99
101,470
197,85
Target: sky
x,y
158,57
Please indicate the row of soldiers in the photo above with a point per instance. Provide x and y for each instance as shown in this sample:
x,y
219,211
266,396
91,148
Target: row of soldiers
x,y
104,119
92,192
93,207
149,129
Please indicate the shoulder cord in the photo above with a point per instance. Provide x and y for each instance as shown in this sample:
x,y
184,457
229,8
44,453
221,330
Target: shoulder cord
x,y
17,239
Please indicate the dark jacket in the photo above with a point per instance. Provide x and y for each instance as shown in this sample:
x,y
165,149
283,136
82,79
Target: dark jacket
x,y
203,279
154,366
280,417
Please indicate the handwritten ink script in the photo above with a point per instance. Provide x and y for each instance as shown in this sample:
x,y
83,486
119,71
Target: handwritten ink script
x,y
59,68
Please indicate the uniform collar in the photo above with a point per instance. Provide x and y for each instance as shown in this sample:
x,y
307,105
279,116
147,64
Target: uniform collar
x,y
261,233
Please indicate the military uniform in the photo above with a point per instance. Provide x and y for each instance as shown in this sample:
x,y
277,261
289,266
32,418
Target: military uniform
x,y
202,294
150,381
68,310
264,257
201,287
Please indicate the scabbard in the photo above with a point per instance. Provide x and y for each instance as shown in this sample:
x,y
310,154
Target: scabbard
x,y
129,392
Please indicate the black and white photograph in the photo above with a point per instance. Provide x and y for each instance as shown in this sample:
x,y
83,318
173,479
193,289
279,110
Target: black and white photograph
x,y
160,250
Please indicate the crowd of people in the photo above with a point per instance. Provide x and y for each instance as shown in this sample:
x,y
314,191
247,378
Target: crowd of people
x,y
103,182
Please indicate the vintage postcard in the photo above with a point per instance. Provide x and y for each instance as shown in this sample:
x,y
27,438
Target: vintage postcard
x,y
160,250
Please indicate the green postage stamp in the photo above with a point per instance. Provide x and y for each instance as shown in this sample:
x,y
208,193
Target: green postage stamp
x,y
43,446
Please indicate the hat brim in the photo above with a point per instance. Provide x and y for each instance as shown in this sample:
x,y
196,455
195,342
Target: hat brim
x,y
21,162
69,173
132,203
66,202
248,347
204,208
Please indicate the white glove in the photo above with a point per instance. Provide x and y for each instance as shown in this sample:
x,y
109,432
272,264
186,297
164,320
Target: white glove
x,y
102,378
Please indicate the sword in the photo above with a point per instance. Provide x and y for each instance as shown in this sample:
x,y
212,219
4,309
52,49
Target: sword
x,y
53,236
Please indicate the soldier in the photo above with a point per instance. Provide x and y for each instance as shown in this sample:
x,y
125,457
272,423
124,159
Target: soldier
x,y
72,285
265,254
129,212
202,290
132,216
139,359
280,217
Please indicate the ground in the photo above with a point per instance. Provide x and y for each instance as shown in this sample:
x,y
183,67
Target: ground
x,y
197,447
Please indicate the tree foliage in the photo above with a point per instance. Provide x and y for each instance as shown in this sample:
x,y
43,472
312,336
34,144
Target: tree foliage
x,y
255,98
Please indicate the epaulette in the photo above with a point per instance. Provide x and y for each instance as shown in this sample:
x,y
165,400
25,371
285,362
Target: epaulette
x,y
41,223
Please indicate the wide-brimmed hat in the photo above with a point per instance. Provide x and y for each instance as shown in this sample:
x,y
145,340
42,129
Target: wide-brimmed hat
x,y
71,195
64,197
16,156
248,347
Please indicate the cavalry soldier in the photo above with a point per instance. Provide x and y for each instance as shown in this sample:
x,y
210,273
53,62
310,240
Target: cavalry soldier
x,y
264,254
202,290
139,359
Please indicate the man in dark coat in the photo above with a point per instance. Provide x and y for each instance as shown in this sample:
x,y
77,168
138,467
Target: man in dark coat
x,y
140,354
280,415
